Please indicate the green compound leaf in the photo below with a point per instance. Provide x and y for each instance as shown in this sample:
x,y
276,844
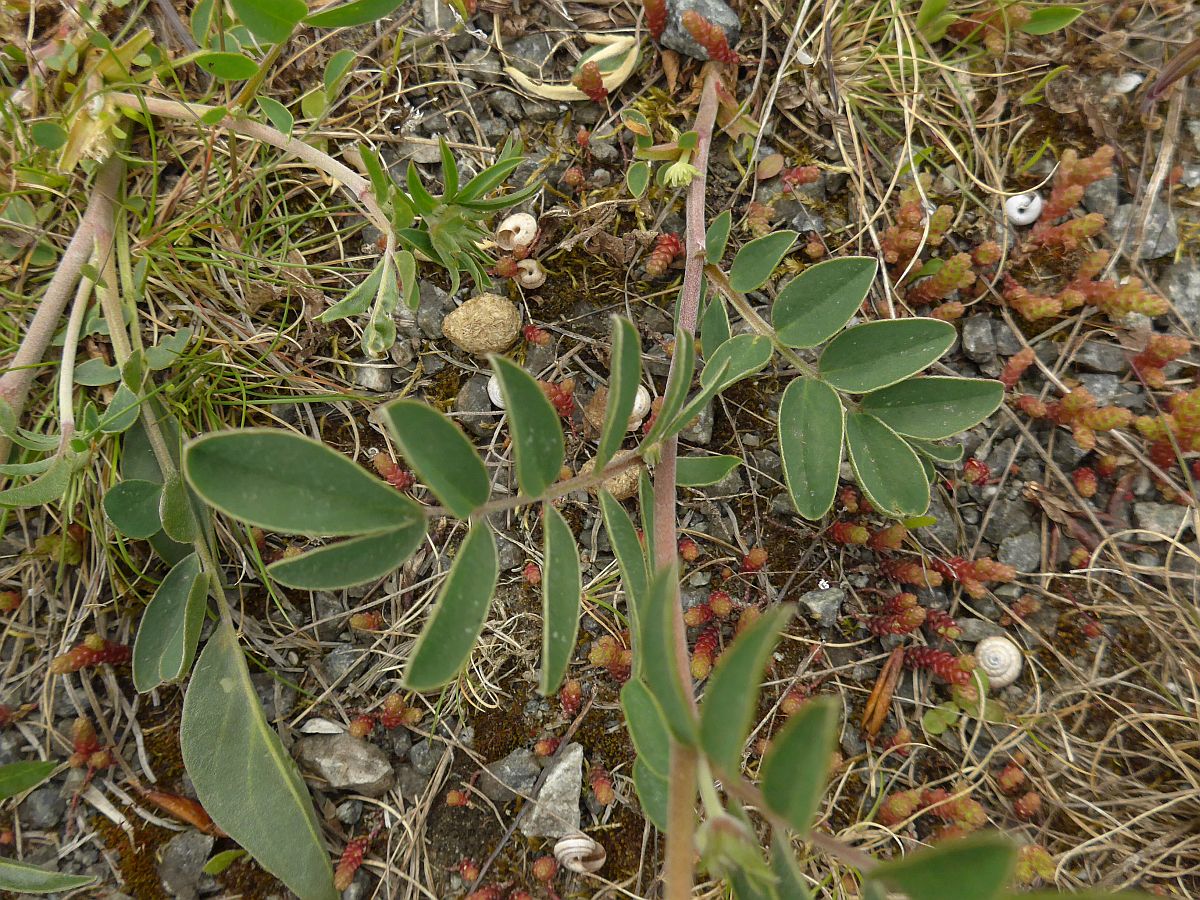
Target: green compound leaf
x,y
731,697
1048,19
359,12
652,790
936,407
698,471
647,727
353,561
271,21
132,506
626,376
745,354
717,236
872,356
886,467
561,586
948,454
358,299
678,384
756,261
277,114
18,777
796,766
440,453
537,435
23,878
976,867
170,629
631,560
659,670
122,412
817,304
96,373
285,482
811,424
227,66
256,794
458,613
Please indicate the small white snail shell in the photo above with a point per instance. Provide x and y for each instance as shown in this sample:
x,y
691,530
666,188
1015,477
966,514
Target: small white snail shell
x,y
1023,209
579,853
1130,81
530,273
1000,659
494,393
641,408
517,230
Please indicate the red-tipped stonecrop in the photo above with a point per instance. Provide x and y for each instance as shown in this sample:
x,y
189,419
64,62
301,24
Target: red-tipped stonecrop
x,y
601,784
1160,350
709,36
589,80
667,246
350,861
704,653
93,651
945,665
1016,366
656,17
754,560
848,533
901,614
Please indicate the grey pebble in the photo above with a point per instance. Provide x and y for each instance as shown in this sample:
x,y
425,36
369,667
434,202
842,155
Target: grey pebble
x,y
1161,236
477,413
345,762
555,812
978,341
424,756
824,605
183,859
676,37
1164,518
1022,551
1181,284
43,808
1101,356
515,774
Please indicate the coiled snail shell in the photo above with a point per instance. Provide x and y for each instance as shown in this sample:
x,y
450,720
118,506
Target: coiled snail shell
x,y
1000,659
1023,209
641,408
580,853
530,273
516,231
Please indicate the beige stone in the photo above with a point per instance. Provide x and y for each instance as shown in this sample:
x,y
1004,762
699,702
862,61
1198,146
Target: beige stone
x,y
485,324
623,484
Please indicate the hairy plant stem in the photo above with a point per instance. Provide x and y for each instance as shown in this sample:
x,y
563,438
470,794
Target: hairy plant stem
x,y
17,381
681,805
66,371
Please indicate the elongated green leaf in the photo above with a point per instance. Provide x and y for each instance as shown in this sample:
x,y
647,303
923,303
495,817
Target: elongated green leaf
x,y
122,412
1048,19
46,488
270,20
811,423
96,373
934,408
796,766
358,299
714,326
493,176
537,435
976,867
561,586
166,640
783,863
652,790
887,468
227,66
222,861
817,303
756,261
458,614
678,384
731,697
717,236
647,727
23,878
353,561
440,453
941,453
18,777
623,382
745,353
659,670
698,471
284,482
628,549
277,114
175,511
359,12
637,178
868,357
255,794
132,506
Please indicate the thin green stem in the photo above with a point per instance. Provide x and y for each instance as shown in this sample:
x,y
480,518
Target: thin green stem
x,y
66,372
739,302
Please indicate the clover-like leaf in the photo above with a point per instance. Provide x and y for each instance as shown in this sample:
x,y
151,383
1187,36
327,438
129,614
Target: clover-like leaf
x,y
877,354
717,236
811,424
440,453
631,560
537,435
756,261
936,407
623,383
698,471
132,506
817,303
647,727
652,790
659,670
355,560
888,469
18,777
170,629
976,867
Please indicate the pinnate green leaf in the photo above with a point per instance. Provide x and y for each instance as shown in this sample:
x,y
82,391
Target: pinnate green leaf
x,y
872,356
256,794
698,471
717,236
96,373
796,766
678,383
756,261
537,435
440,453
887,468
284,482
22,878
731,697
630,560
745,353
811,424
175,511
976,867
936,407
358,12
647,727
637,178
353,561
623,382
659,670
561,586
817,303
122,412
445,644
277,114
18,777
132,506
271,21
227,66
170,629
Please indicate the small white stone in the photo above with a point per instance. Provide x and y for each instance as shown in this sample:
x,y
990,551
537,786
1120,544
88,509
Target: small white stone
x,y
1023,209
1123,84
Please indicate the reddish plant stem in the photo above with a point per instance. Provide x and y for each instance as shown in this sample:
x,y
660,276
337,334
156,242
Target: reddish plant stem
x,y
681,811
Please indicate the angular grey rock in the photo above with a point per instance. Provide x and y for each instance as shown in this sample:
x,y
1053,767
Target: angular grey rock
x,y
1181,284
346,763
182,863
603,152
1101,356
482,65
514,774
1009,517
1164,518
700,431
477,413
340,660
530,53
1103,387
330,615
1103,196
978,341
410,783
676,36
371,376
975,630
509,554
11,744
424,756
43,808
539,111
1006,342
555,813
349,811
507,104
823,605
1161,237
1022,551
